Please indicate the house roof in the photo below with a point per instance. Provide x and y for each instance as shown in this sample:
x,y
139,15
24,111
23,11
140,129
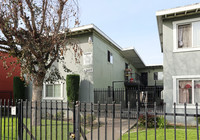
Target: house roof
x,y
129,53
132,56
173,13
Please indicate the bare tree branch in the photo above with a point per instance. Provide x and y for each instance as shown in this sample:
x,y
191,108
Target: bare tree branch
x,y
32,17
44,9
25,19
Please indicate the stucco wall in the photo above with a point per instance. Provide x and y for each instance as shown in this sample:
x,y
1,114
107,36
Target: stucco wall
x,y
100,73
86,78
150,72
176,64
104,71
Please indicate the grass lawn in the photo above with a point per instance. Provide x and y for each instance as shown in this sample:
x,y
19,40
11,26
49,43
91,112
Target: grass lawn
x,y
12,130
180,134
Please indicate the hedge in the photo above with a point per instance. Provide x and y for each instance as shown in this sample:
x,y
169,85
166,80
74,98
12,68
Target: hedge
x,y
18,88
73,81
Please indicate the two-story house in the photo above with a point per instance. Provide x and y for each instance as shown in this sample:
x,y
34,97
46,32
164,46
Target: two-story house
x,y
179,32
103,61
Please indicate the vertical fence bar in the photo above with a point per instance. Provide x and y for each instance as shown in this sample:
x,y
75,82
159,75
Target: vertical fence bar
x,y
98,116
8,109
185,111
16,104
106,113
36,119
45,120
91,121
197,121
21,116
74,116
164,121
12,121
113,120
4,119
67,120
62,120
26,102
137,117
146,113
40,120
155,118
77,132
51,120
84,121
0,119
128,120
19,121
31,117
56,119
120,120
174,121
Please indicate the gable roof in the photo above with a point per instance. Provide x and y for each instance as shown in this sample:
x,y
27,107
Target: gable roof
x,y
173,13
129,53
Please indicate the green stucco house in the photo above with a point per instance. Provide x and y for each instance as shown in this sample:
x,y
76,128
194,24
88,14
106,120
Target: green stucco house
x,y
102,62
179,32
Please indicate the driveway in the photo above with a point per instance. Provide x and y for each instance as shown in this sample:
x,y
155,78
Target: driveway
x,y
109,129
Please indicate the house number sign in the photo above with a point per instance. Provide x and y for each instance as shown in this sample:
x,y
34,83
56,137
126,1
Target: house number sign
x,y
13,110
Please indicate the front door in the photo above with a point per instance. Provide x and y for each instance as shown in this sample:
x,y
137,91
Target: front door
x,y
144,78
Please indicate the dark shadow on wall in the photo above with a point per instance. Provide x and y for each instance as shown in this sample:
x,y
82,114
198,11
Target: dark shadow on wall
x,y
86,93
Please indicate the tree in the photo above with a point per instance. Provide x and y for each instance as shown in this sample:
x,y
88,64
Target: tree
x,y
36,32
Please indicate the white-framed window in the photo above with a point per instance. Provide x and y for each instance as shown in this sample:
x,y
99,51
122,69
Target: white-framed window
x,y
186,89
87,59
110,57
186,35
53,91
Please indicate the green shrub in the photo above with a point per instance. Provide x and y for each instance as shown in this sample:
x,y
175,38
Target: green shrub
x,y
161,122
72,81
60,115
18,88
150,121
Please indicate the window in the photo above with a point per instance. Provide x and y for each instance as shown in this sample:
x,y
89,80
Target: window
x,y
126,65
110,57
87,59
186,35
53,91
187,90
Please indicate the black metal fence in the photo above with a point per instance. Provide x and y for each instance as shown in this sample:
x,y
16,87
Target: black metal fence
x,y
53,120
139,94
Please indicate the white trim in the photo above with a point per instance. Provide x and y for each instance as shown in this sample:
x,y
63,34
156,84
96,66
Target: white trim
x,y
175,94
53,98
92,26
178,9
175,35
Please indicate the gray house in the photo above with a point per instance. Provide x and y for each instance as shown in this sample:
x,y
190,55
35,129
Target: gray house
x,y
179,32
101,63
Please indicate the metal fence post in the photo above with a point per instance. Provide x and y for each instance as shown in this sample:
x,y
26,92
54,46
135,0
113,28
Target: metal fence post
x,y
0,119
185,115
174,121
197,121
19,121
113,120
77,125
137,105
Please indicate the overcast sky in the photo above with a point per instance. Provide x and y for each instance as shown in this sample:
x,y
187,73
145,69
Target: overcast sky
x,y
130,23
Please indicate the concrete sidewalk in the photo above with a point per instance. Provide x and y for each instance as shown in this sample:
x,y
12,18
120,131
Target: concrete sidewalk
x,y
109,129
